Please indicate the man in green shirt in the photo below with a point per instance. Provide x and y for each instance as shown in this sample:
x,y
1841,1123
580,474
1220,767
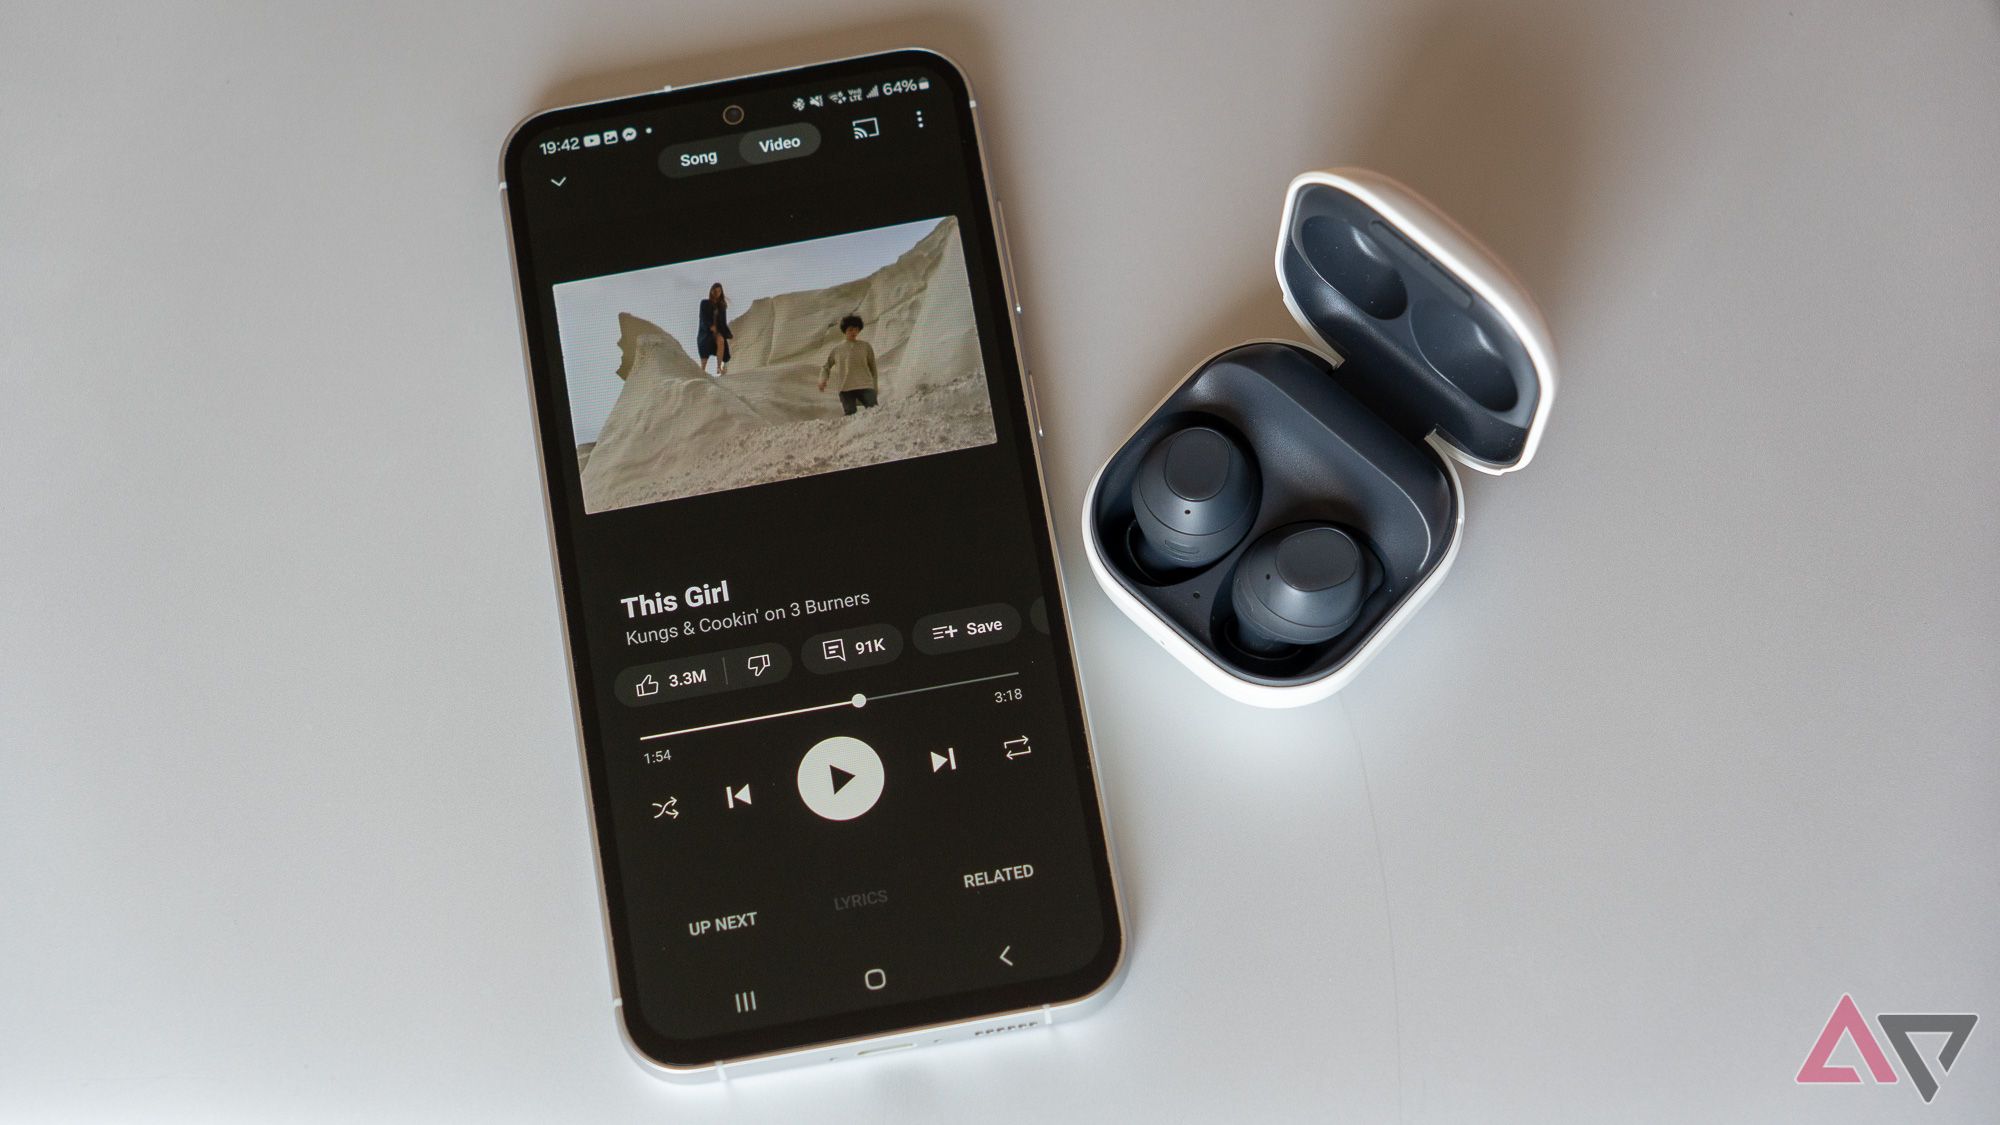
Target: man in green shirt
x,y
852,364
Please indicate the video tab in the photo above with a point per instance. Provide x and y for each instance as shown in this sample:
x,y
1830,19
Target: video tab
x,y
861,647
668,680
967,628
785,142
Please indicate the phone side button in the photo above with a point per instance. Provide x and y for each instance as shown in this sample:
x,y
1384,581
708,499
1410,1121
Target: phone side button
x,y
1035,406
1007,256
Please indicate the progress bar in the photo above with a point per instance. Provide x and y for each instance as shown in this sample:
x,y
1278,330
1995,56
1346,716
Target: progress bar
x,y
857,700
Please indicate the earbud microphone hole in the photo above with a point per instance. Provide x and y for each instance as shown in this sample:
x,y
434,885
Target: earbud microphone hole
x,y
1208,476
1316,576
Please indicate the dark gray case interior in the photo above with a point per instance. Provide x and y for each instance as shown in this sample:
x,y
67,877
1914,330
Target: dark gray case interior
x,y
1420,353
1418,345
1324,456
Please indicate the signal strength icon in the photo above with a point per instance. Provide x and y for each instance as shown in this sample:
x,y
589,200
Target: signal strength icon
x,y
874,91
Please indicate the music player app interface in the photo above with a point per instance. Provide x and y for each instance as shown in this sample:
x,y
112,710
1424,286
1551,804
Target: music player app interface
x,y
836,751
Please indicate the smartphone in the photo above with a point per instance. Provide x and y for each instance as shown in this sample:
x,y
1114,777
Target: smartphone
x,y
841,783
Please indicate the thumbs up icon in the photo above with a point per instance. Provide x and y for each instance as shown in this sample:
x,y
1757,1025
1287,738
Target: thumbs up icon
x,y
646,686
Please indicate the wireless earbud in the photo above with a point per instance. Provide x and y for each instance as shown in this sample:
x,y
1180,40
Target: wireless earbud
x,y
1194,499
1301,584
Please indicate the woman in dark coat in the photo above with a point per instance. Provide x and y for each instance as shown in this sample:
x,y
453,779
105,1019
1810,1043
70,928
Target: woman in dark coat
x,y
712,335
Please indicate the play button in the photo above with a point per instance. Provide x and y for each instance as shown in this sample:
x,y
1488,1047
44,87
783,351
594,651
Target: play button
x,y
840,778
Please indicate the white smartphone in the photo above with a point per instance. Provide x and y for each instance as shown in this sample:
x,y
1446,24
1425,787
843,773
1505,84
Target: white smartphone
x,y
840,778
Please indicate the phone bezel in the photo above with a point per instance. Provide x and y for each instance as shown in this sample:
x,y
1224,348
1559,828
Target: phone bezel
x,y
861,1026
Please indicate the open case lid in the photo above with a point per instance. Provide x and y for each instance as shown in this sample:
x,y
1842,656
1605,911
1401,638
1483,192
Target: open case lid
x,y
1432,331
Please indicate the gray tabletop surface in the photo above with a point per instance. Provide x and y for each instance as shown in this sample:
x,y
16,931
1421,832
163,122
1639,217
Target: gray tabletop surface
x,y
1699,735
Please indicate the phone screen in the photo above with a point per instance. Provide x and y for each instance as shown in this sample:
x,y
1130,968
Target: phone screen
x,y
837,757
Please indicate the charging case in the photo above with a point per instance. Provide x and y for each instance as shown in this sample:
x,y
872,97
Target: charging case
x,y
1433,357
